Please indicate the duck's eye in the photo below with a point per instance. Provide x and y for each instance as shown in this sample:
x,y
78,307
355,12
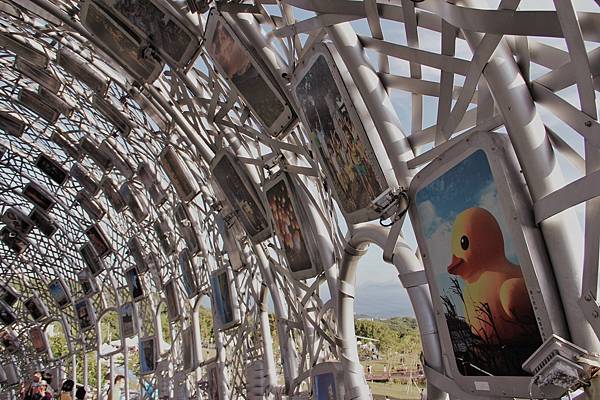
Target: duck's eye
x,y
464,242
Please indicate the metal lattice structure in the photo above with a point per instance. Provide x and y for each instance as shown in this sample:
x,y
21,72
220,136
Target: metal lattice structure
x,y
130,117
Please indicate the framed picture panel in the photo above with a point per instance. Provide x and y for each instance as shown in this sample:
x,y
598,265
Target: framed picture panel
x,y
88,283
247,76
85,313
13,240
17,221
36,307
43,222
241,195
213,379
148,352
179,174
12,374
8,294
60,292
39,196
136,289
9,340
190,361
85,179
224,299
129,320
52,169
89,205
292,226
135,201
327,381
39,339
173,309
7,314
342,134
94,263
188,273
11,124
98,240
81,70
487,269
42,76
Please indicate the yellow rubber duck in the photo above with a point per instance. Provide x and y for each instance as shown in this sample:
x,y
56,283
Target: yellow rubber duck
x,y
497,305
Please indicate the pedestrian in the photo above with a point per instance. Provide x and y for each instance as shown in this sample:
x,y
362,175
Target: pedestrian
x,y
66,389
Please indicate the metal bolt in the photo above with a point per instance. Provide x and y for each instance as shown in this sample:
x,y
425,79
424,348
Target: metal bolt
x,y
595,314
588,123
588,297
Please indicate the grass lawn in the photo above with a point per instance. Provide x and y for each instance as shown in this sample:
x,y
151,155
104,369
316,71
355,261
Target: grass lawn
x,y
394,391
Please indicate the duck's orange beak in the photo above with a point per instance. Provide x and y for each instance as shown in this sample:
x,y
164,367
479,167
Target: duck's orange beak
x,y
454,265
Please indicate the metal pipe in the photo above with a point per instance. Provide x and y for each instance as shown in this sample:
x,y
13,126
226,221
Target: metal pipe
x,y
405,262
265,328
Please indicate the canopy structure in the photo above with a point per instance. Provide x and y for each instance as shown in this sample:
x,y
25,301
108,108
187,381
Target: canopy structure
x,y
161,158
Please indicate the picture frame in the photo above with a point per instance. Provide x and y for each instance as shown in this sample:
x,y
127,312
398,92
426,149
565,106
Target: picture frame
x,y
92,149
130,323
13,240
490,196
154,22
241,195
188,274
38,196
173,308
212,381
137,253
123,45
85,314
9,295
81,70
60,292
147,175
88,283
136,203
85,179
41,76
224,299
12,376
187,228
38,104
134,283
112,114
11,124
36,307
148,355
164,233
293,226
17,221
8,316
39,339
111,148
98,240
9,340
112,194
43,222
52,169
190,359
94,262
91,207
179,174
327,381
71,149
342,134
24,49
247,76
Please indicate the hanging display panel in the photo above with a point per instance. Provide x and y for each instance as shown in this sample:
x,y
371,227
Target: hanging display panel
x,y
241,195
51,168
9,340
85,313
7,314
136,289
39,196
87,281
39,339
17,221
80,69
8,295
129,320
224,299
247,76
342,134
173,309
60,292
293,227
94,263
188,274
11,124
148,351
488,273
36,307
43,222
327,381
214,390
98,240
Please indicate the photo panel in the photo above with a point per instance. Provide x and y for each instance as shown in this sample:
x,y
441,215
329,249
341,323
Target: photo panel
x,y
98,240
11,124
129,320
7,314
137,204
81,70
60,292
8,340
241,195
94,263
92,208
13,240
342,134
292,227
9,295
214,389
36,307
85,313
486,266
52,169
39,339
17,221
12,374
148,353
39,196
188,274
327,381
43,222
179,174
88,283
173,308
137,253
187,228
190,361
136,289
254,83
224,299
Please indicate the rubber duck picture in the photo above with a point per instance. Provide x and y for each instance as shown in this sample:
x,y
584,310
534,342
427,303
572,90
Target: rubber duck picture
x,y
497,305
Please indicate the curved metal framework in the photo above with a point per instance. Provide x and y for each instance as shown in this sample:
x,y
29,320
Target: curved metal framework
x,y
427,74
